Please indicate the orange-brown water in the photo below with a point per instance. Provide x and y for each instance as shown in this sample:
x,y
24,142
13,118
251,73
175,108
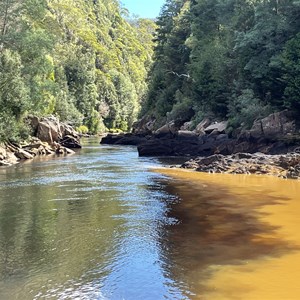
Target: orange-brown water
x,y
239,237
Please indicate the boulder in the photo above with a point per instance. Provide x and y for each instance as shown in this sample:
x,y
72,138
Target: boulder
x,y
22,154
70,141
48,132
144,125
210,159
66,129
255,132
170,129
186,134
155,147
217,127
7,158
5,163
34,122
242,156
123,139
131,139
202,125
59,149
186,126
112,138
274,126
222,137
11,158
293,172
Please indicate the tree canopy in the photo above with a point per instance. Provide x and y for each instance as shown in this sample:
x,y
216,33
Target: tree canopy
x,y
235,59
90,64
80,60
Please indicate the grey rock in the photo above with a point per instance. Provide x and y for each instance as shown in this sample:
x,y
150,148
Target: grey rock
x,y
217,127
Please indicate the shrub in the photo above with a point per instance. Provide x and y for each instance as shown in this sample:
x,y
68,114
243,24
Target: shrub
x,y
182,109
245,109
82,129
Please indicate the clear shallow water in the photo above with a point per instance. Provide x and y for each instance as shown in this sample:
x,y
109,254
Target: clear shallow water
x,y
87,226
102,225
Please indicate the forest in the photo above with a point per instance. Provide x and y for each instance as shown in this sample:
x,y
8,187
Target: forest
x,y
94,66
226,59
84,61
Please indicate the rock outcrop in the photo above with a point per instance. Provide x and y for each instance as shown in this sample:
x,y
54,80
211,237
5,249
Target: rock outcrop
x,y
275,126
276,134
144,126
124,139
218,127
52,137
51,130
12,153
70,141
285,166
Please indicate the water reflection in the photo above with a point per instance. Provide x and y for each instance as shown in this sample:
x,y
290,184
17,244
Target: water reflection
x,y
101,225
83,227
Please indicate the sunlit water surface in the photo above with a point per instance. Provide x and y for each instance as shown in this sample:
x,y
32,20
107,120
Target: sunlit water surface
x,y
101,224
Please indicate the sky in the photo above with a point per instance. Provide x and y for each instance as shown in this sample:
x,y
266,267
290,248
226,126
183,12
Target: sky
x,y
144,8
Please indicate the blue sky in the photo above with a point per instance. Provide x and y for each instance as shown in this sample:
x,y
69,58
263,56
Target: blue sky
x,y
144,8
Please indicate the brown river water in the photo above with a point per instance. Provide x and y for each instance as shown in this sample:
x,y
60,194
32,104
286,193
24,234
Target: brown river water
x,y
106,224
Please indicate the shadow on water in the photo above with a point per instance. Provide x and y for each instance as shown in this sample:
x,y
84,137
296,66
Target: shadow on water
x,y
216,228
100,225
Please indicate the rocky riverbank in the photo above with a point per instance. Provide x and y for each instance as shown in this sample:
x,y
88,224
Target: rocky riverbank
x,y
276,134
12,153
284,166
270,147
50,137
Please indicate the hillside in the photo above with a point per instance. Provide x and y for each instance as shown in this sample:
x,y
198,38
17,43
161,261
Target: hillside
x,y
236,60
83,61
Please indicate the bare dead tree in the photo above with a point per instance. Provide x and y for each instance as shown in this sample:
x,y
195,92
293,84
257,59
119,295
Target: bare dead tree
x,y
181,75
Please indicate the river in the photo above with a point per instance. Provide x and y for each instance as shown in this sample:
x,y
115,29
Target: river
x,y
106,224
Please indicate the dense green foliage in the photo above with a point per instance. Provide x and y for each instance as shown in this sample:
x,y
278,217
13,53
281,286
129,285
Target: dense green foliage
x,y
87,63
78,59
235,59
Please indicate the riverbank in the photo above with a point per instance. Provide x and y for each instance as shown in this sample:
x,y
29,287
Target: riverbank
x,y
49,137
11,154
270,147
283,166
